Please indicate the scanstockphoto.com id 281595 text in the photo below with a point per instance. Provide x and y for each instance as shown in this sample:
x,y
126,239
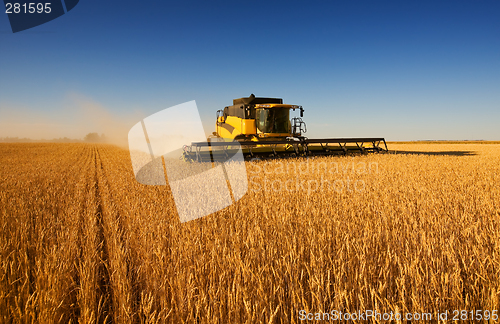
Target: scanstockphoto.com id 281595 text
x,y
377,315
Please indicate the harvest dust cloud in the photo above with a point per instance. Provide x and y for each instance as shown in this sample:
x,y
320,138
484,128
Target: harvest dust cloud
x,y
77,117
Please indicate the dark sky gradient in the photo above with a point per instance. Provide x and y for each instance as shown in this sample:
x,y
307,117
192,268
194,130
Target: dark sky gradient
x,y
404,70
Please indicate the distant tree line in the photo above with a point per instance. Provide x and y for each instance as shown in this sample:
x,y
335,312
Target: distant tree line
x,y
94,138
90,137
29,140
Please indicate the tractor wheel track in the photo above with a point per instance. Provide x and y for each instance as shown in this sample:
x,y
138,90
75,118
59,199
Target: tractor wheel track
x,y
103,272
117,295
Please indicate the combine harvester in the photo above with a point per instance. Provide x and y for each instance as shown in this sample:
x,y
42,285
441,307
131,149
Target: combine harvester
x,y
263,129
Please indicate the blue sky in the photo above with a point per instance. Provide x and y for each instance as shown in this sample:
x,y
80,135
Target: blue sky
x,y
403,70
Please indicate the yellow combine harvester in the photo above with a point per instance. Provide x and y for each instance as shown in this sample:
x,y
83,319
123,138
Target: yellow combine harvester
x,y
263,129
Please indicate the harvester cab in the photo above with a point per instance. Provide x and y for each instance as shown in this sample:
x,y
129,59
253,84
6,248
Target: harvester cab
x,y
262,128
258,119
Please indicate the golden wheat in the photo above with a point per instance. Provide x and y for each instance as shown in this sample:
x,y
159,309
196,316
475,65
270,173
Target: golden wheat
x,y
81,241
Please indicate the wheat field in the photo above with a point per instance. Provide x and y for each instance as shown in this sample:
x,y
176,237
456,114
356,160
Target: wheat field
x,y
415,231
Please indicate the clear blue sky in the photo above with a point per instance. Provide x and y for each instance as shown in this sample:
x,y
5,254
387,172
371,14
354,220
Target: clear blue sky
x,y
403,70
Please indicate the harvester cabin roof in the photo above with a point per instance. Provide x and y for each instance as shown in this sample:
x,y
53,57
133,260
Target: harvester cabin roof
x,y
252,100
